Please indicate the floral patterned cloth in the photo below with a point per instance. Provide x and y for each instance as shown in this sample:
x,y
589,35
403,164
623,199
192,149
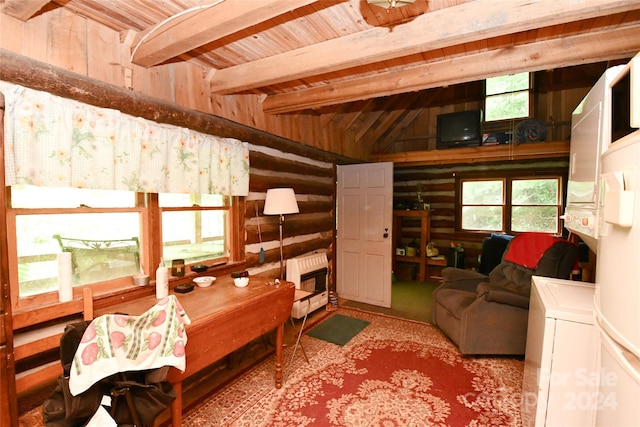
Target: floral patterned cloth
x,y
117,342
56,142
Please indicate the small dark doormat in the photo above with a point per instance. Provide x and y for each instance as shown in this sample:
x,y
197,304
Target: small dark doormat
x,y
338,329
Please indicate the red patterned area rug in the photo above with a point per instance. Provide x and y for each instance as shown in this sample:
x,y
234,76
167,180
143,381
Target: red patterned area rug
x,y
393,373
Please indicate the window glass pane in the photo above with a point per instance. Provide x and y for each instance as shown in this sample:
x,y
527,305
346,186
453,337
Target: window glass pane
x,y
196,235
167,200
510,83
507,106
488,218
92,239
482,193
535,192
534,218
27,196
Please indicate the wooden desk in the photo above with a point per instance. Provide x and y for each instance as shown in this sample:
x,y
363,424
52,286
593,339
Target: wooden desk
x,y
223,319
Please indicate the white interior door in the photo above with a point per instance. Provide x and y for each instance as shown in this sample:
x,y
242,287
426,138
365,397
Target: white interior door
x,y
364,223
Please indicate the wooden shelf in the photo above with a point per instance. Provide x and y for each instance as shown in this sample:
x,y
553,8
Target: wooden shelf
x,y
489,153
421,260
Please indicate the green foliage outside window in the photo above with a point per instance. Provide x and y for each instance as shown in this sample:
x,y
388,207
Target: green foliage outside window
x,y
194,228
533,204
507,97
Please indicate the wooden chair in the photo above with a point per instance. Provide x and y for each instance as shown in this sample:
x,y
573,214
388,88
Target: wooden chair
x,y
88,315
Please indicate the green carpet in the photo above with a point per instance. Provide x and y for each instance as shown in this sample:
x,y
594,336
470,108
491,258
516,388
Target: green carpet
x,y
409,300
338,329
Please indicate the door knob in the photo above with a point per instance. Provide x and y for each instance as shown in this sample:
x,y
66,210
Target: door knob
x,y
386,234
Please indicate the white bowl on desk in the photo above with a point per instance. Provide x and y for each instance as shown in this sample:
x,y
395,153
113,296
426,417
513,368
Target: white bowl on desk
x,y
204,281
241,282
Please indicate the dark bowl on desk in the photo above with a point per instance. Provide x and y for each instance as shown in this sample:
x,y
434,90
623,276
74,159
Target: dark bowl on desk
x,y
199,268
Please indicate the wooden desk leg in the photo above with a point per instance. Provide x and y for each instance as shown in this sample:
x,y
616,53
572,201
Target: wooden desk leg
x,y
279,345
176,406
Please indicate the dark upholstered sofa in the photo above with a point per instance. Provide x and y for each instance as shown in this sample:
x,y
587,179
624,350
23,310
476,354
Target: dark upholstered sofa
x,y
487,314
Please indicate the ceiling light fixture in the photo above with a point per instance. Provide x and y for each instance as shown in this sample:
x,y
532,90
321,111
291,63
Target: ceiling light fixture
x,y
388,4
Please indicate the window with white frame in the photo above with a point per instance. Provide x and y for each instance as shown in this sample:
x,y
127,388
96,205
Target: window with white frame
x,y
510,204
507,97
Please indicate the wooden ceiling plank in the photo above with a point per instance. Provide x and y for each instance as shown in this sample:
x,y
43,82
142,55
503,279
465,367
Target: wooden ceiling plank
x,y
326,118
404,105
203,24
556,53
348,119
483,20
387,124
382,107
399,127
23,10
421,101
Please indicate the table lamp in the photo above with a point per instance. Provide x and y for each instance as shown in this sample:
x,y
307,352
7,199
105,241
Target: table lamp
x,y
280,201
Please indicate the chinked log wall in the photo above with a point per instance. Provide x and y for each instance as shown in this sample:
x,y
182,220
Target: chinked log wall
x,y
274,162
438,189
311,229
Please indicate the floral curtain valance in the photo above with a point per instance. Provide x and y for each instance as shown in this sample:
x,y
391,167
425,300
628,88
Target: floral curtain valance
x,y
57,142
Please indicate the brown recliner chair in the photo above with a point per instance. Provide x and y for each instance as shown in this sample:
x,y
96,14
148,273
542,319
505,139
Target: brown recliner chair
x,y
488,314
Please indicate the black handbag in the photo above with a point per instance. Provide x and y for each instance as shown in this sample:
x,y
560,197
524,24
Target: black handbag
x,y
61,409
132,401
147,401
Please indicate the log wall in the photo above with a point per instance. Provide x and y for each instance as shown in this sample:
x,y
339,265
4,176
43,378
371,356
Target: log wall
x,y
310,230
438,189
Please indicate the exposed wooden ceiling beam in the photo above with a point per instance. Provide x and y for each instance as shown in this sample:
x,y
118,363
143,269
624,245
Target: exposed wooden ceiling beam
x,y
430,31
563,52
22,9
201,25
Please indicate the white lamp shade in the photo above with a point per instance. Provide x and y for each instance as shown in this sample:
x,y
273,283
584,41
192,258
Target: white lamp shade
x,y
280,201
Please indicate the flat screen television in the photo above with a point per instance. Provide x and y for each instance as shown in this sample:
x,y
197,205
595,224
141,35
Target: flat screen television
x,y
459,129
